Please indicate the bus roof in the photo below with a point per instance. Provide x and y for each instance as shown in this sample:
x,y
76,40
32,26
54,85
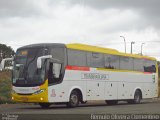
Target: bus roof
x,y
42,45
90,48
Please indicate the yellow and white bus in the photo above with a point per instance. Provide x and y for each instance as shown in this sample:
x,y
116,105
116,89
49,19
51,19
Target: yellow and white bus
x,y
74,73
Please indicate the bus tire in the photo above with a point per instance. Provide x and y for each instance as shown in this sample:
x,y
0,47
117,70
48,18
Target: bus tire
x,y
137,98
111,102
73,100
44,105
83,102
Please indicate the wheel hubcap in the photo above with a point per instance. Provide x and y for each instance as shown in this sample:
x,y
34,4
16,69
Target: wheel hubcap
x,y
137,98
74,99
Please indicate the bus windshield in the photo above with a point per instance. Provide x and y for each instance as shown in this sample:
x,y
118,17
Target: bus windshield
x,y
25,71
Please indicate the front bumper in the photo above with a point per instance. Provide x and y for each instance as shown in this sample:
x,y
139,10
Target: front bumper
x,y
34,98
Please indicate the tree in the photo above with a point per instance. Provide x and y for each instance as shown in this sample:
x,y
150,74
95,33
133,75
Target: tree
x,y
159,68
6,51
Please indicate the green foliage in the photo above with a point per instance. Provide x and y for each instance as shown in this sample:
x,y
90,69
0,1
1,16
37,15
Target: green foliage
x,y
5,51
159,69
5,87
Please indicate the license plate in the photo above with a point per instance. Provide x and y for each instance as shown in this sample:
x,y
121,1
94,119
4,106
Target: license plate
x,y
25,99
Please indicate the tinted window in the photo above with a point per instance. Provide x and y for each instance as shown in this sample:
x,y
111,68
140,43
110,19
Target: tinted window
x,y
77,58
149,66
126,63
95,60
58,53
138,65
111,62
52,78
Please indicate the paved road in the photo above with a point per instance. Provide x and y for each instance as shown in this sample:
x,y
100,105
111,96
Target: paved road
x,y
151,106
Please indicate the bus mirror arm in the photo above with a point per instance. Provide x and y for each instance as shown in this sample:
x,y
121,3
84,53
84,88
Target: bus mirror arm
x,y
39,60
2,65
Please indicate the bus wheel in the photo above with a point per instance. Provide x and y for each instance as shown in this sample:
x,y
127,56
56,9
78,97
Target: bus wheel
x,y
73,100
44,105
137,98
83,102
111,102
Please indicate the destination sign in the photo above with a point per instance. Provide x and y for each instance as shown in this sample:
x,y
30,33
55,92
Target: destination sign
x,y
22,53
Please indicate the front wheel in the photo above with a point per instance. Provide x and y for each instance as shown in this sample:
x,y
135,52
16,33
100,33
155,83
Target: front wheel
x,y
73,100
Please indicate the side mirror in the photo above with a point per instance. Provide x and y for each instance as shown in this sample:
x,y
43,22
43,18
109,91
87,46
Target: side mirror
x,y
2,65
39,60
56,69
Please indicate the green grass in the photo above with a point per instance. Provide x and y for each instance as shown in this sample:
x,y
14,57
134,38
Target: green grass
x,y
5,87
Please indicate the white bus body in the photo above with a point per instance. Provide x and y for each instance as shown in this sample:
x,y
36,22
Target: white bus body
x,y
84,83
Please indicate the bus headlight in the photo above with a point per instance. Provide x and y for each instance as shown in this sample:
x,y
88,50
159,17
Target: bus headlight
x,y
39,91
13,92
12,98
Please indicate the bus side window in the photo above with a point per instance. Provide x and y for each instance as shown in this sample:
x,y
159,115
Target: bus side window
x,y
138,64
154,68
149,66
77,58
111,61
126,63
50,73
95,60
54,72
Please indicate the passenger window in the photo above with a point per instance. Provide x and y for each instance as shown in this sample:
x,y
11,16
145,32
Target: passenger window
x,y
95,60
111,62
126,63
149,66
76,58
138,65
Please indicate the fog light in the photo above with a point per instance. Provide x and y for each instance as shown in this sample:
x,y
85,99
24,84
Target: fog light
x,y
41,99
12,98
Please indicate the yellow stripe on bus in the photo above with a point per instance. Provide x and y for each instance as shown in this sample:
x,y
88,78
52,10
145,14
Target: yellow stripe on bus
x,y
115,70
90,48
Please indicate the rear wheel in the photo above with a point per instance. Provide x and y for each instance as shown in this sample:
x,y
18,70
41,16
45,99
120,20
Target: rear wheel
x,y
44,105
137,98
73,100
111,102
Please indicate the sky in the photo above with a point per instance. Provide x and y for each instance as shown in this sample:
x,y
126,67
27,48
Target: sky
x,y
93,22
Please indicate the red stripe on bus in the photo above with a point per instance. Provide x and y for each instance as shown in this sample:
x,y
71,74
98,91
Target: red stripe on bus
x,y
147,72
77,68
